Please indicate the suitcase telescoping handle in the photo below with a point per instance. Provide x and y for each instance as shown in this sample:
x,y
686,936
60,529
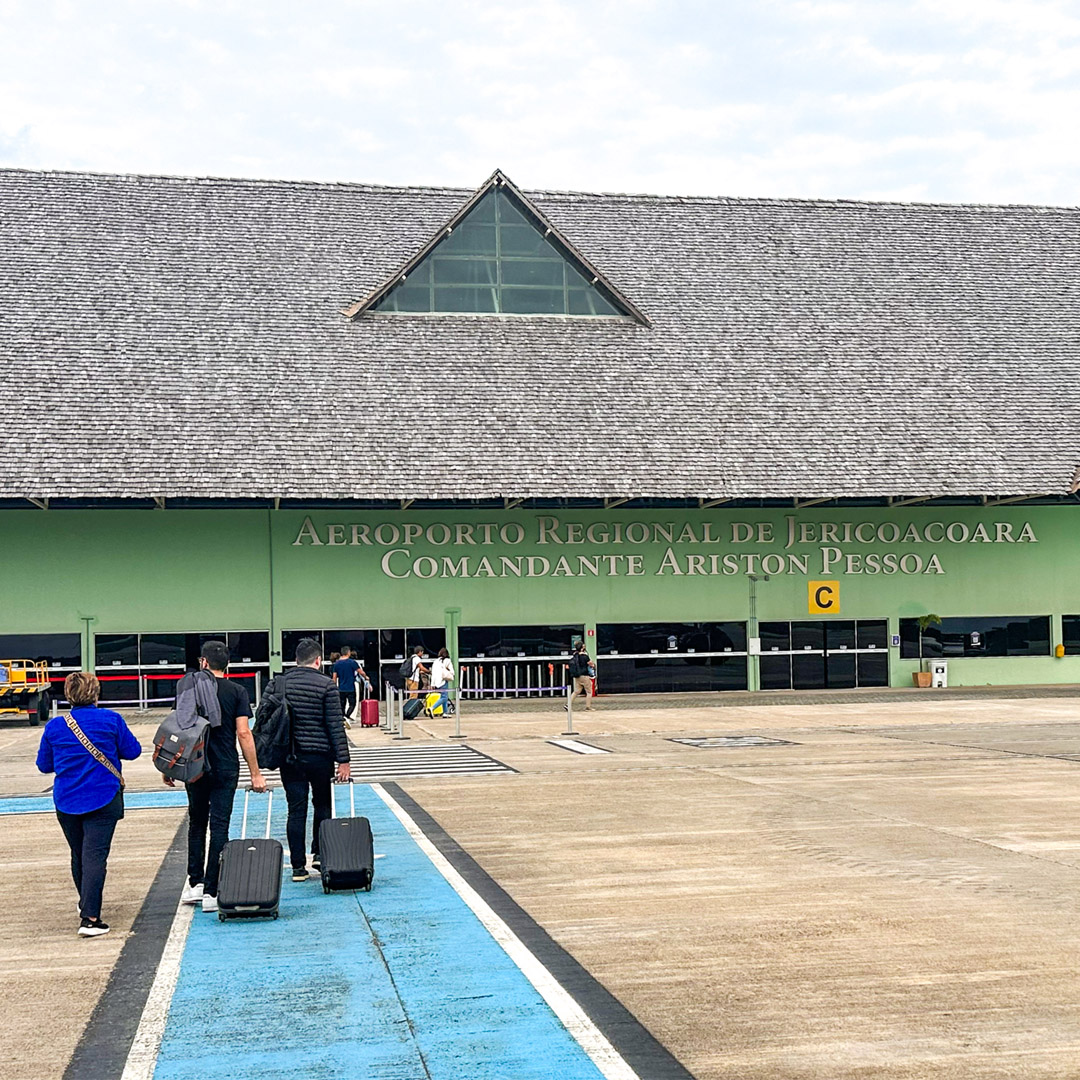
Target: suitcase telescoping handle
x,y
333,799
269,806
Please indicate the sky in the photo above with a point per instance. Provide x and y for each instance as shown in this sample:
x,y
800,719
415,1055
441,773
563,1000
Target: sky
x,y
914,100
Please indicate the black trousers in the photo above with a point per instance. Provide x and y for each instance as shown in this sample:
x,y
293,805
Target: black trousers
x,y
348,703
210,803
90,837
307,774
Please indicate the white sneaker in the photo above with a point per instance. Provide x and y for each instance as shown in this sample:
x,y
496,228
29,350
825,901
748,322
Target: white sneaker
x,y
209,903
192,894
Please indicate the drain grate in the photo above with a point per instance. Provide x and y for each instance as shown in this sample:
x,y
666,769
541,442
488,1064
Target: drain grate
x,y
734,740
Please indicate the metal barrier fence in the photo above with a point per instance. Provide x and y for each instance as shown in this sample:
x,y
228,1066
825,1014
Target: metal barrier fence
x,y
144,700
495,677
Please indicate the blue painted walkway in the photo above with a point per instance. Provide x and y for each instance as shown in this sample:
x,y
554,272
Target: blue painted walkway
x,y
133,800
402,983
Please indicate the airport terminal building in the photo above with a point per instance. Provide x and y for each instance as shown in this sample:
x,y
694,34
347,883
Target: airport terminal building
x,y
734,443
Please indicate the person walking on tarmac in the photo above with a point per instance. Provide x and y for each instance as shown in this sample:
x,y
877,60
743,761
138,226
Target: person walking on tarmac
x,y
210,798
320,742
581,671
416,671
346,671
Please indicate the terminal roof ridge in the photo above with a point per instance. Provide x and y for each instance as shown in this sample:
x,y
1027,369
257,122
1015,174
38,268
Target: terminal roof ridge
x,y
544,193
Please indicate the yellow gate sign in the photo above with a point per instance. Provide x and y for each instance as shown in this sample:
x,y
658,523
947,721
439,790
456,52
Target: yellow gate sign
x,y
824,597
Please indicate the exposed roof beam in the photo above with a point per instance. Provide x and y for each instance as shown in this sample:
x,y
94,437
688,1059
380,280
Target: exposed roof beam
x,y
509,504
1074,487
41,504
1012,499
610,504
912,501
277,502
810,502
406,503
706,504
159,502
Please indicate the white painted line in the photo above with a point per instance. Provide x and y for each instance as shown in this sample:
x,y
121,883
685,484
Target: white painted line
x,y
142,1057
578,747
606,1058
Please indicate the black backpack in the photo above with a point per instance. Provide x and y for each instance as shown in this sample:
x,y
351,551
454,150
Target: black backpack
x,y
405,671
273,727
579,665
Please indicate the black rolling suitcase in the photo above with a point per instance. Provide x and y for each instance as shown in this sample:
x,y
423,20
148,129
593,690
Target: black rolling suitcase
x,y
346,852
249,884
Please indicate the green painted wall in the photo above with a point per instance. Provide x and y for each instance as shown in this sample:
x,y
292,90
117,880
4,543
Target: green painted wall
x,y
179,570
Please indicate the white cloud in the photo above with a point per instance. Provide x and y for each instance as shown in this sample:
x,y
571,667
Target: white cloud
x,y
968,100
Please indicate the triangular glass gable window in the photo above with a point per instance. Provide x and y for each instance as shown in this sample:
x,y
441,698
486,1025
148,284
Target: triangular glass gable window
x,y
497,261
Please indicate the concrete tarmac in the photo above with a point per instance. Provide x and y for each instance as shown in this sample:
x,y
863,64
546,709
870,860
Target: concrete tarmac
x,y
887,890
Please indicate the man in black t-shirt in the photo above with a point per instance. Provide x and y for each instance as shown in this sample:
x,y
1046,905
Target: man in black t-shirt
x,y
210,798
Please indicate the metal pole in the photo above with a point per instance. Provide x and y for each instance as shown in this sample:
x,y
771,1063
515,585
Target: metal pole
x,y
401,722
569,710
457,714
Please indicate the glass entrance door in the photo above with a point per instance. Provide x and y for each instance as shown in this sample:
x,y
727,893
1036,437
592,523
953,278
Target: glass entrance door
x,y
824,655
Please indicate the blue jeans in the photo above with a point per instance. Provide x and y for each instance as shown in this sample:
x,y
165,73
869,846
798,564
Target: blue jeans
x,y
444,698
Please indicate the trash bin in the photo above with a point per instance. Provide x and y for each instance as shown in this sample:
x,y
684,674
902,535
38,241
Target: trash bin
x,y
939,673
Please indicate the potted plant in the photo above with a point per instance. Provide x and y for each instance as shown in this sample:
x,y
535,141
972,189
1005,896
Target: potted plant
x,y
922,678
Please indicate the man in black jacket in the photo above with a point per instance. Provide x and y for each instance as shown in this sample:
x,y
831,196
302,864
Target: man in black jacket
x,y
319,740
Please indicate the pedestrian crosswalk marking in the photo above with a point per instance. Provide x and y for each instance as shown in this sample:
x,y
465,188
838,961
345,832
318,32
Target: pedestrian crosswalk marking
x,y
385,762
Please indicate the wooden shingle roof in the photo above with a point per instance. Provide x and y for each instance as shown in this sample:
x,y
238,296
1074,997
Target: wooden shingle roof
x,y
184,338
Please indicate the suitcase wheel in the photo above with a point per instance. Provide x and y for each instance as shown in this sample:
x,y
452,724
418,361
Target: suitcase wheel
x,y
221,916
275,914
326,888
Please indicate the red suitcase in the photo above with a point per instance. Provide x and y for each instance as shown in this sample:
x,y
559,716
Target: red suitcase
x,y
369,713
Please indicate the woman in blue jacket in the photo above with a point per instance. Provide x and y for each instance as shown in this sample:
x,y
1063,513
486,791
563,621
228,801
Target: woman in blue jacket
x,y
84,749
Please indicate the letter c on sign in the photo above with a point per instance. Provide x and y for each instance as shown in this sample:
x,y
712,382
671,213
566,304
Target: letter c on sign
x,y
824,597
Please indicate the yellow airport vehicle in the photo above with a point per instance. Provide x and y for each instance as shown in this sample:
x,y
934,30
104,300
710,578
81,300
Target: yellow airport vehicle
x,y
24,687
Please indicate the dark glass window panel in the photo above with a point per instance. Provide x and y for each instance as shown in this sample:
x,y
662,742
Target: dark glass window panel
x,y
511,213
873,670
839,635
1003,635
469,238
160,691
840,671
461,299
530,264
193,644
409,298
392,644
775,636
589,303
525,301
432,639
909,639
1070,633
249,647
807,671
157,649
872,634
807,635
119,688
524,240
930,642
775,671
666,638
545,272
57,650
671,674
510,641
112,650
466,271
291,638
419,277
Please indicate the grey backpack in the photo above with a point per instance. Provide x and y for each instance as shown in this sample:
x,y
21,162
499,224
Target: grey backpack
x,y
180,741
